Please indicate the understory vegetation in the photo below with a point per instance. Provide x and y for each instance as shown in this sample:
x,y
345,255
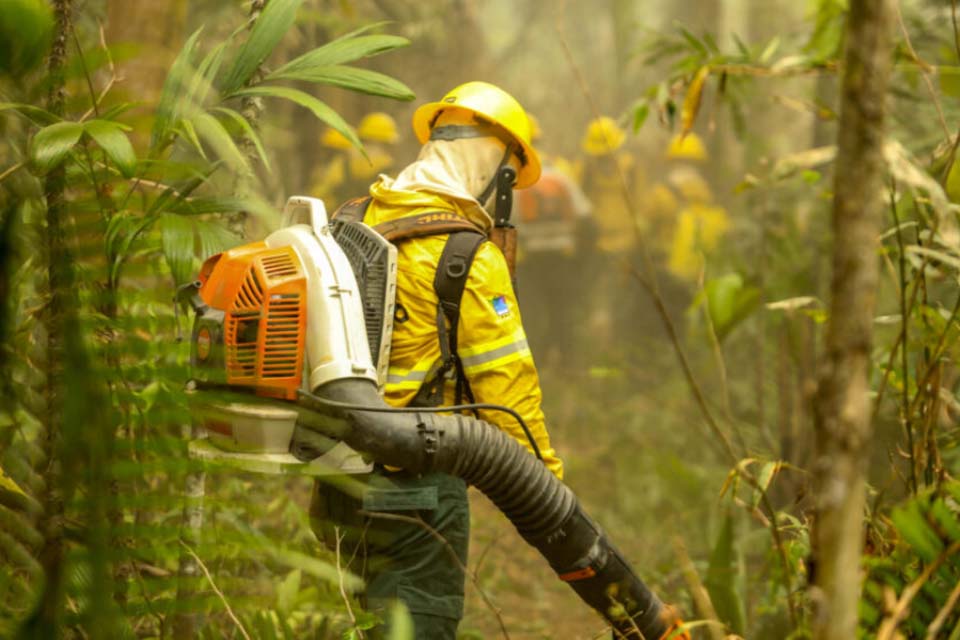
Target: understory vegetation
x,y
691,440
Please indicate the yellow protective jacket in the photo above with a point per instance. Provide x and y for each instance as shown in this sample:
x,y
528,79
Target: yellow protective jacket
x,y
491,341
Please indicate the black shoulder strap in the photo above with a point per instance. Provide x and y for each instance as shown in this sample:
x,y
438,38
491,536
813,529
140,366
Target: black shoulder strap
x,y
449,283
352,210
463,241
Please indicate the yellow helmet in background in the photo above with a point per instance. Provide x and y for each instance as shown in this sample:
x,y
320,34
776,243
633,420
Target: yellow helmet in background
x,y
378,127
333,139
490,103
688,147
603,136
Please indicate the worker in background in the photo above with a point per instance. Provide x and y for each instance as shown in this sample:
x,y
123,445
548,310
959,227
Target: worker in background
x,y
685,222
620,314
347,172
556,240
468,138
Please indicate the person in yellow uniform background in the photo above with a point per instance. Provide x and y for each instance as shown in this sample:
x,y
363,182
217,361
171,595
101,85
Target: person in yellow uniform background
x,y
620,314
699,222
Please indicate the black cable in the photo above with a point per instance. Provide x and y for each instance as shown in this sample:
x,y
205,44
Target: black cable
x,y
453,407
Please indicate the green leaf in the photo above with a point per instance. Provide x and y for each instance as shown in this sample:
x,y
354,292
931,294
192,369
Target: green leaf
x,y
315,567
912,525
118,228
34,114
52,144
946,518
119,109
172,95
324,113
213,133
277,17
8,484
694,42
26,30
344,49
764,478
178,237
111,138
953,181
770,49
729,301
721,580
640,115
186,130
287,592
827,37
214,238
361,80
148,395
401,622
247,131
949,78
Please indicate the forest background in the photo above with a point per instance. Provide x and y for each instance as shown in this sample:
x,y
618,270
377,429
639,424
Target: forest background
x,y
141,137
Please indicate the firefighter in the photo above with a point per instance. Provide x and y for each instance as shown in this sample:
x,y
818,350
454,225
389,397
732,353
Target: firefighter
x,y
699,223
468,138
346,171
618,316
556,239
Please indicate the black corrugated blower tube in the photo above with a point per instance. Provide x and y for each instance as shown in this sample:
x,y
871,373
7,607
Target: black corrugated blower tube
x,y
544,510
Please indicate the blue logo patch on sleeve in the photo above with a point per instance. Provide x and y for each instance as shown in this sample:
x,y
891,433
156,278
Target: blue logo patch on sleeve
x,y
500,306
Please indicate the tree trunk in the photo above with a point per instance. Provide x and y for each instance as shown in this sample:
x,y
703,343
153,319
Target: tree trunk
x,y
843,406
47,619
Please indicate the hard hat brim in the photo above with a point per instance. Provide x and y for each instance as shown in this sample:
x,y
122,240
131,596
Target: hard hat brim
x,y
530,171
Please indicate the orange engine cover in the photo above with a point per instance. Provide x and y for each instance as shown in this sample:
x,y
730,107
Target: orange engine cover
x,y
261,293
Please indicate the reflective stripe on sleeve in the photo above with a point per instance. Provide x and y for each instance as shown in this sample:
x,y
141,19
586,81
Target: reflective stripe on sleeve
x,y
495,355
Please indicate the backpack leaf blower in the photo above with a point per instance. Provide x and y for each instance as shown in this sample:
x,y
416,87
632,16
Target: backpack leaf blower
x,y
289,325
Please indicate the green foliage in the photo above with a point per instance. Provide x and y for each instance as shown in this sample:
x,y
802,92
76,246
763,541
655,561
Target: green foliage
x,y
138,221
922,569
26,27
729,301
318,108
275,20
52,144
826,41
110,137
722,579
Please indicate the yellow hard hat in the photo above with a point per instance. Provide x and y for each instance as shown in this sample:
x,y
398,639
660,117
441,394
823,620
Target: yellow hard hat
x,y
334,139
493,104
378,127
688,147
603,136
535,132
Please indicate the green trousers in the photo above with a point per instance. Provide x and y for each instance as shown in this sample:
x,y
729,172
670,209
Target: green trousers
x,y
402,558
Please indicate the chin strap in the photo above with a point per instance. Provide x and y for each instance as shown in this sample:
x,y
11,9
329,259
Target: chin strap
x,y
498,180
